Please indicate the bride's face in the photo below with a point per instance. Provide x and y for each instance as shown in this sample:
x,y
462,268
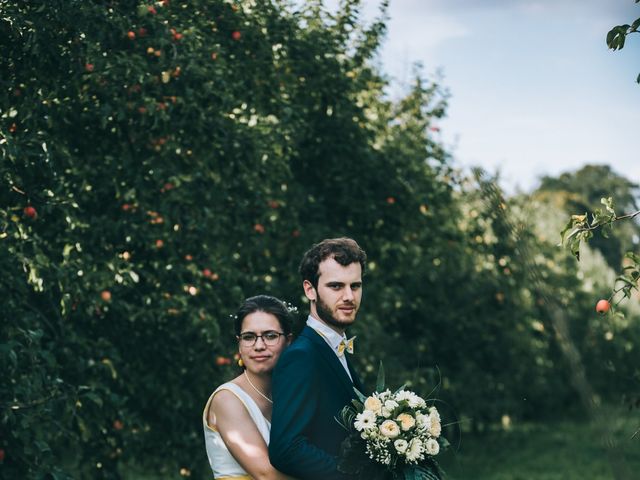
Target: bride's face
x,y
261,342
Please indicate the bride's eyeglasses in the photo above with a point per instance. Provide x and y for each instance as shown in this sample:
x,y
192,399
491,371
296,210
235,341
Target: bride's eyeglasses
x,y
270,338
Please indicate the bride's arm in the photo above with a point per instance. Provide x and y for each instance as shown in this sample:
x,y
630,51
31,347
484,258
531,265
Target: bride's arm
x,y
242,437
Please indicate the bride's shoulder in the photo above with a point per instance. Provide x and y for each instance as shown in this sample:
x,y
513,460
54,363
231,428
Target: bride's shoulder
x,y
227,400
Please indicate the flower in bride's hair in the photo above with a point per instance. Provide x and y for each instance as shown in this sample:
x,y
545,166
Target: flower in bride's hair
x,y
365,420
414,452
406,420
432,447
401,445
389,429
291,308
374,404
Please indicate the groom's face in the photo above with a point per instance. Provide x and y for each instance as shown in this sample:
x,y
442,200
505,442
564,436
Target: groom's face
x,y
337,297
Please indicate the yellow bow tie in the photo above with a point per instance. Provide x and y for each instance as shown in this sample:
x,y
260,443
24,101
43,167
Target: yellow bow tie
x,y
346,345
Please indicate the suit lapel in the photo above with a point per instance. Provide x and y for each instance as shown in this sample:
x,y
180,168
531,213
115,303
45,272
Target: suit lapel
x,y
330,358
356,380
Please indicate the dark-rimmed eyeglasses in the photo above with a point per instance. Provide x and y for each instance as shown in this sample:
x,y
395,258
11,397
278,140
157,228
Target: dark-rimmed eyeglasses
x,y
270,338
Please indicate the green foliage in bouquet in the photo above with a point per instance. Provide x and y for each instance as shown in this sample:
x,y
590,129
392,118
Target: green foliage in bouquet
x,y
370,452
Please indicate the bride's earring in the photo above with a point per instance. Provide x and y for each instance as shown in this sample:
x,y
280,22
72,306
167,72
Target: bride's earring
x,y
240,363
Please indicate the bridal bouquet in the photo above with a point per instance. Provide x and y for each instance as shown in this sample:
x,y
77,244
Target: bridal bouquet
x,y
392,435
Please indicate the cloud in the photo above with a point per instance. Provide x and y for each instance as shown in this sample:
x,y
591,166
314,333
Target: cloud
x,y
425,31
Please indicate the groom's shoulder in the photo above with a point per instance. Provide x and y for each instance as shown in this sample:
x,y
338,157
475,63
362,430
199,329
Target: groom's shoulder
x,y
303,346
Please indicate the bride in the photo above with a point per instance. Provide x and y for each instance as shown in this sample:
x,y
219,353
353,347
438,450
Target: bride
x,y
236,418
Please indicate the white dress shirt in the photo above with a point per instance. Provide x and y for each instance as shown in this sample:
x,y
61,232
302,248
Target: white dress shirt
x,y
332,338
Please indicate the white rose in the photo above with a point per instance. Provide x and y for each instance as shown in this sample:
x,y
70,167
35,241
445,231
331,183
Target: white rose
x,y
423,421
401,445
416,402
389,429
407,421
390,404
374,404
384,395
432,447
388,408
433,411
435,429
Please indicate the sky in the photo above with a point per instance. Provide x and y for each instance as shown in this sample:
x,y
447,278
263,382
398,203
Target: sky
x,y
534,90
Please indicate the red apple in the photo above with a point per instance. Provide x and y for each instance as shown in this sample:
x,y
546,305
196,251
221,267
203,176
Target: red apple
x,y
131,35
603,306
89,67
118,425
105,295
30,212
206,272
259,228
236,35
2,455
222,361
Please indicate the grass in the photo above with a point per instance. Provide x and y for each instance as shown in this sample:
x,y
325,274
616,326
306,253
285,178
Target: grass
x,y
563,450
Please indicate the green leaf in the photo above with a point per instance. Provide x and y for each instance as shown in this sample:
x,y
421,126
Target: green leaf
x,y
94,398
608,204
361,396
42,446
380,382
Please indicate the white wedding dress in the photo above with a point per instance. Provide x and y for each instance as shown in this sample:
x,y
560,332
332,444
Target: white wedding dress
x,y
223,465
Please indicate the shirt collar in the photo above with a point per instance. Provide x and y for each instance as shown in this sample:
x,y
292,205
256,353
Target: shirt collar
x,y
332,337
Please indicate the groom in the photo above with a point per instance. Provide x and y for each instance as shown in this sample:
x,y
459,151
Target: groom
x,y
314,378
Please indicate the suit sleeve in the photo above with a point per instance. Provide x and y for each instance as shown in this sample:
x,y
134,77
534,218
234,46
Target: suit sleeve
x,y
295,400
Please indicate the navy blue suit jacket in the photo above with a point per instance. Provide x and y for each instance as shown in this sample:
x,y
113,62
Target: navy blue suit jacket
x,y
309,387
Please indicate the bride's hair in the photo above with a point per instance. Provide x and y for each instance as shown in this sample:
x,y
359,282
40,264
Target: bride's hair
x,y
266,304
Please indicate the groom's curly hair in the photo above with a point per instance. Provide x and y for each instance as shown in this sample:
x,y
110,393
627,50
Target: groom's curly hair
x,y
343,250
